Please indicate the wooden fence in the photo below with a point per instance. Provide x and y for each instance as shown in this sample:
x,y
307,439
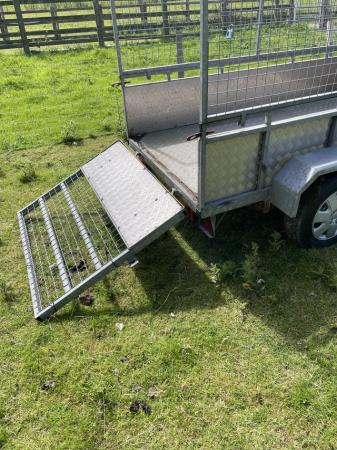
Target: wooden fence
x,y
29,24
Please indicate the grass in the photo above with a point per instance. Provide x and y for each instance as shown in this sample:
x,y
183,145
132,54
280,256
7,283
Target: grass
x,y
221,359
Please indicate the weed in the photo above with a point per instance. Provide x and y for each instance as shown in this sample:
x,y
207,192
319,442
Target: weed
x,y
215,273
328,272
2,173
250,265
275,242
28,174
248,270
219,274
332,275
69,133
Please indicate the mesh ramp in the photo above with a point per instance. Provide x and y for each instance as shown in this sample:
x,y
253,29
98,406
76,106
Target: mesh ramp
x,y
89,224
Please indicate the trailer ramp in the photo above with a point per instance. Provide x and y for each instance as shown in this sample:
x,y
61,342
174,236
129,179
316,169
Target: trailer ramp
x,y
89,224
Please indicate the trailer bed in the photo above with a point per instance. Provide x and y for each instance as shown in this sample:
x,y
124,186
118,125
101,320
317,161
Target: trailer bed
x,y
171,152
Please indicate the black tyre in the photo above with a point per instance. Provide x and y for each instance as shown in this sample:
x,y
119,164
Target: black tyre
x,y
316,222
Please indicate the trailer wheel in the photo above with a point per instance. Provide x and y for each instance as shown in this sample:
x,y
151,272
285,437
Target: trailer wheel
x,y
316,222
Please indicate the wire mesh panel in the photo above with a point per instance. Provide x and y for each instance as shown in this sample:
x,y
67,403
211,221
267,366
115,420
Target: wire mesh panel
x,y
269,52
260,52
70,236
158,33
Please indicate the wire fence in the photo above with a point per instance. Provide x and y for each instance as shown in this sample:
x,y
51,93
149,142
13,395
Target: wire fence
x,y
37,23
260,52
273,55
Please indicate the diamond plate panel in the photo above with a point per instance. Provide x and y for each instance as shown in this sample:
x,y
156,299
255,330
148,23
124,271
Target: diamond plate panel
x,y
231,166
134,199
286,142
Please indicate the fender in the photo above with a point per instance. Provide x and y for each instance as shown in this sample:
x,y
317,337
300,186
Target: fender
x,y
297,175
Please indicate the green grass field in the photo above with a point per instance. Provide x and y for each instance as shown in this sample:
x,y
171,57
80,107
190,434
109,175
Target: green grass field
x,y
221,362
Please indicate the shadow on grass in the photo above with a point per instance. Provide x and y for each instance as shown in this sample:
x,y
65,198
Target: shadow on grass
x,y
174,274
295,301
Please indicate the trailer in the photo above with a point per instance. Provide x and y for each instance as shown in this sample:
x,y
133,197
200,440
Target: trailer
x,y
227,103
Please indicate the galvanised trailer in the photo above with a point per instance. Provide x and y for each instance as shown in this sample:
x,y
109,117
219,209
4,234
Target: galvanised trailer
x,y
227,103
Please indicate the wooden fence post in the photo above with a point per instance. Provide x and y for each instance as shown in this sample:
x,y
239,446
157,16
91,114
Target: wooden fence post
x,y
224,13
293,11
56,27
180,52
143,11
323,13
99,22
259,27
277,13
166,25
3,26
187,9
21,26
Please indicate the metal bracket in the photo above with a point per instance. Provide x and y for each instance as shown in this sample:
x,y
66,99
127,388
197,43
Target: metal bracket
x,y
193,137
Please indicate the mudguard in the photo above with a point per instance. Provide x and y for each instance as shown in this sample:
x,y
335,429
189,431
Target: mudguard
x,y
297,175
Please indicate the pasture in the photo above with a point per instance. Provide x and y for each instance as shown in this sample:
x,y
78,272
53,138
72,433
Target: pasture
x,y
214,359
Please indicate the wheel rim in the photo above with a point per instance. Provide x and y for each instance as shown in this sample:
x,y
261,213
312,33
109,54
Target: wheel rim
x,y
324,224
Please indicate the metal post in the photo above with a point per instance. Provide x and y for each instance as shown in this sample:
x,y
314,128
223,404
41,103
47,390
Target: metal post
x,y
116,38
259,26
263,149
203,61
119,56
329,38
203,113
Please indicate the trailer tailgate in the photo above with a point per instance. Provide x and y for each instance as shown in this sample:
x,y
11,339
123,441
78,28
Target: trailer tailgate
x,y
95,220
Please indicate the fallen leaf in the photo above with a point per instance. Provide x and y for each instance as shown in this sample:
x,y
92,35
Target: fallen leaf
x,y
154,392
